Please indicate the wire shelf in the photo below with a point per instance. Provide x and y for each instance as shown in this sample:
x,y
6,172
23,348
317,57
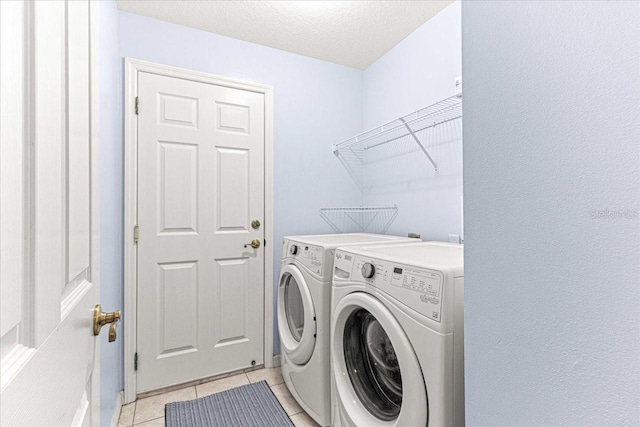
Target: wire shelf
x,y
363,219
357,152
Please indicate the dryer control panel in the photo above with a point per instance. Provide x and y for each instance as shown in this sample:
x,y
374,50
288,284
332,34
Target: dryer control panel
x,y
308,255
419,288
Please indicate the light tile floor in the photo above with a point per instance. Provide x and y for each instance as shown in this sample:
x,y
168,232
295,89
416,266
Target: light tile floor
x,y
149,412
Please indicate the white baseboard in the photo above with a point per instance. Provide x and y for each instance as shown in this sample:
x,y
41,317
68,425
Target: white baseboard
x,y
116,411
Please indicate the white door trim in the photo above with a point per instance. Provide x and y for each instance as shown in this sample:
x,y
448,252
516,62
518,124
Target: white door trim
x,y
132,68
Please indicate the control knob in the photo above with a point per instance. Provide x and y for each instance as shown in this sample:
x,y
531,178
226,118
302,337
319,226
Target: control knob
x,y
368,270
293,249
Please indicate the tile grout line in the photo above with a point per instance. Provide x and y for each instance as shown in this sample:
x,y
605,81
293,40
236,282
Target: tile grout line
x,y
133,417
159,396
147,421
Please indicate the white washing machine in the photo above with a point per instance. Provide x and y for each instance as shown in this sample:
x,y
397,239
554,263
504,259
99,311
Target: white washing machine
x,y
304,307
397,336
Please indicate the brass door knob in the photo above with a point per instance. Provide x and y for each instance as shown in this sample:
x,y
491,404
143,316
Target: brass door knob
x,y
255,244
100,319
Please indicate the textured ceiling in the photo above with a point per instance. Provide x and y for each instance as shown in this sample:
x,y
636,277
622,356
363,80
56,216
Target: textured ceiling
x,y
352,33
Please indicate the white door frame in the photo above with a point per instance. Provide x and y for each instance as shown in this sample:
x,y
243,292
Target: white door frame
x,y
132,68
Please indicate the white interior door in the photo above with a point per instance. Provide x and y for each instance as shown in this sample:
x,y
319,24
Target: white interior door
x,y
200,186
48,264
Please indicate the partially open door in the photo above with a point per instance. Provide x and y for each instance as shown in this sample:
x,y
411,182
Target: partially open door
x,y
49,216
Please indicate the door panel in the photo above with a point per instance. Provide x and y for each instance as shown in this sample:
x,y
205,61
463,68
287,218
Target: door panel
x,y
78,179
178,110
12,182
200,183
179,301
232,118
233,181
177,187
233,281
49,224
48,352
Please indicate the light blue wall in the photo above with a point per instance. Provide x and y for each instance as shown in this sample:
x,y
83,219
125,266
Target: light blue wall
x,y
551,142
111,204
417,72
316,102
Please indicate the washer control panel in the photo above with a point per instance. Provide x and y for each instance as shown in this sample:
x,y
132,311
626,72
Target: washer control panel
x,y
417,280
308,255
419,288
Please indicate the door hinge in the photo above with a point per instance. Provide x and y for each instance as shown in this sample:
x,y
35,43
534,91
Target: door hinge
x,y
136,234
136,105
135,362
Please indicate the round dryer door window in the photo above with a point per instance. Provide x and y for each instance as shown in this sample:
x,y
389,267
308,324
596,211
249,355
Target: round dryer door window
x,y
296,316
372,365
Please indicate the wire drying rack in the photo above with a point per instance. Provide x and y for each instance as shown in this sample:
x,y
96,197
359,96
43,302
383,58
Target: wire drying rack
x,y
369,219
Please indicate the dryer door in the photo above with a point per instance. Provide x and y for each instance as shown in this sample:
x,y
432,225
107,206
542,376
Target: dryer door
x,y
296,316
377,374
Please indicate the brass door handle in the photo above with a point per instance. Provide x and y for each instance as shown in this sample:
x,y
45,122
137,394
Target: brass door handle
x,y
255,244
100,319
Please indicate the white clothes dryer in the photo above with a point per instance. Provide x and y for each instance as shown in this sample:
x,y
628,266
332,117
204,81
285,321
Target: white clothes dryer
x,y
397,336
304,307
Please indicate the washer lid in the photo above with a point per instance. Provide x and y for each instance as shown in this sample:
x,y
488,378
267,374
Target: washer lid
x,y
296,316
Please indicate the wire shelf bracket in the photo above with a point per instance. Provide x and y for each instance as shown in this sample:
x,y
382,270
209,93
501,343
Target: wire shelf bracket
x,y
415,138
